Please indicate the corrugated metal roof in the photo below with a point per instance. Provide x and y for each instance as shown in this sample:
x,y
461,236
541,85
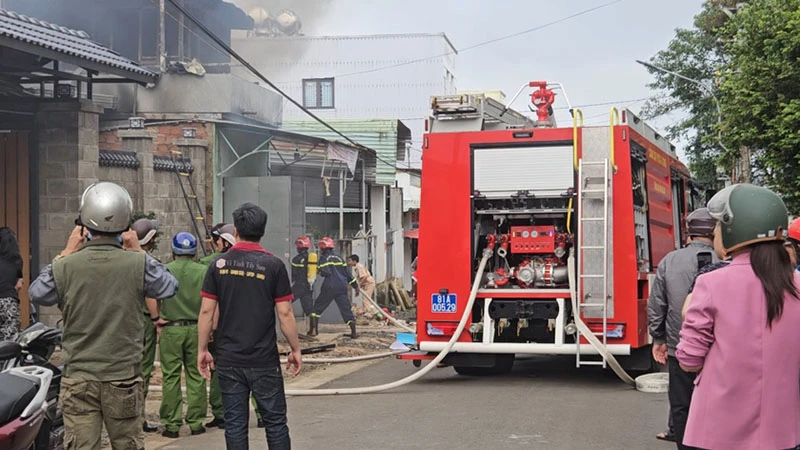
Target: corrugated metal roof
x,y
385,137
30,33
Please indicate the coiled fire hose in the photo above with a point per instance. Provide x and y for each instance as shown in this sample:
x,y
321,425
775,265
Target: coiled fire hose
x,y
584,329
487,253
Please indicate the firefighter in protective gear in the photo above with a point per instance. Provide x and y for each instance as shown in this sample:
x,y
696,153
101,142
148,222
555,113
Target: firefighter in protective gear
x,y
304,271
178,343
99,283
674,277
793,242
221,239
337,279
146,231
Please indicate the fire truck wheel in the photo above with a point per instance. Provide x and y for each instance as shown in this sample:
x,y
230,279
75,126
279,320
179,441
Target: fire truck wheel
x,y
502,365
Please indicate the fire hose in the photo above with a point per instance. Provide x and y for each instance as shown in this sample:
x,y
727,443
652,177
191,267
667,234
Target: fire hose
x,y
584,330
391,319
487,253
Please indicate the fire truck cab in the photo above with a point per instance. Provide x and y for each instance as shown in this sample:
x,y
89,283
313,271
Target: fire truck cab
x,y
613,198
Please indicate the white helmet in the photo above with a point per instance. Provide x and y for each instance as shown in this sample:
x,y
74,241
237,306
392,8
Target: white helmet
x,y
226,233
106,207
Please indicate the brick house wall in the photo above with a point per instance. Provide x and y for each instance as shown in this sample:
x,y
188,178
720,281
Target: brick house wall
x,y
73,154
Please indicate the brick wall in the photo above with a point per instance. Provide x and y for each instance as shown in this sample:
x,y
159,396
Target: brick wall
x,y
67,135
165,137
69,143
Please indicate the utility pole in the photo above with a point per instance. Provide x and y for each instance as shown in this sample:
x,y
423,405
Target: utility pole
x,y
743,165
162,40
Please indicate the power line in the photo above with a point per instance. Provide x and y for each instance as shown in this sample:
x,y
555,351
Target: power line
x,y
481,44
258,74
614,102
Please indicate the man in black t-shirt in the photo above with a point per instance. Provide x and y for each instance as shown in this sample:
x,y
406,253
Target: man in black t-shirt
x,y
245,286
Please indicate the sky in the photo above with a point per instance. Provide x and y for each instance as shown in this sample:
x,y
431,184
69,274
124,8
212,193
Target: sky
x,y
593,55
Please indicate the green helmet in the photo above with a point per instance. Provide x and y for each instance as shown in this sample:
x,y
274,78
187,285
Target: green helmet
x,y
748,214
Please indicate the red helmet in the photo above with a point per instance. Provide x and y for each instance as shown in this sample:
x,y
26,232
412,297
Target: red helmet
x,y
794,230
303,242
326,243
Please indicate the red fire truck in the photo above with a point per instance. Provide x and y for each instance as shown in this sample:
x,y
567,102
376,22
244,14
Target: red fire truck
x,y
609,201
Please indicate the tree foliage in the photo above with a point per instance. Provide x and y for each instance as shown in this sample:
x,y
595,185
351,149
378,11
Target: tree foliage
x,y
761,91
695,53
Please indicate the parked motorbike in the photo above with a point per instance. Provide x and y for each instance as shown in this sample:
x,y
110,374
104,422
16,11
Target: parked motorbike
x,y
36,345
23,401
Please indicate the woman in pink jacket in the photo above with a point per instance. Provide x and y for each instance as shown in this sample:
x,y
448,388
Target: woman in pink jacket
x,y
742,331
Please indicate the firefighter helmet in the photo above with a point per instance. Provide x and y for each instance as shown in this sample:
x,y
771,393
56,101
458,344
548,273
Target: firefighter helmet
x,y
748,214
106,207
184,244
145,229
227,234
303,242
701,223
326,243
794,230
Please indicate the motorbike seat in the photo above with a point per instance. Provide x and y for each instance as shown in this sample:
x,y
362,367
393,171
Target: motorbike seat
x,y
15,395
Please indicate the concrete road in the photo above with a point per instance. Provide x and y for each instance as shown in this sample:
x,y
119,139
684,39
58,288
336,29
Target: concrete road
x,y
544,404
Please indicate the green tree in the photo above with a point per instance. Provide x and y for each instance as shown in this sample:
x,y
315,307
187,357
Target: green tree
x,y
761,91
696,53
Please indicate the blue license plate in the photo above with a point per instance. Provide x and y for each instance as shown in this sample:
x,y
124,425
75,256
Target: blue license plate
x,y
443,303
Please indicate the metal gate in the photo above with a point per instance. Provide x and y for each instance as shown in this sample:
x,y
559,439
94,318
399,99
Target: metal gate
x,y
15,202
274,195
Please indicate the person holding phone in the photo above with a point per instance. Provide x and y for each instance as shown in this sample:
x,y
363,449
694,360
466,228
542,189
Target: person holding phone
x,y
674,276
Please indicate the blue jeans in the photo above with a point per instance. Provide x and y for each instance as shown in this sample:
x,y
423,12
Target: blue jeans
x,y
266,385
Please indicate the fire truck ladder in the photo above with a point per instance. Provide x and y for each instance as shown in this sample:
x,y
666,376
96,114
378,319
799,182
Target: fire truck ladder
x,y
593,191
474,112
183,171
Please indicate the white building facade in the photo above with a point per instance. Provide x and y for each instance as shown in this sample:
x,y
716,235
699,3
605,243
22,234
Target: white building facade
x,y
389,76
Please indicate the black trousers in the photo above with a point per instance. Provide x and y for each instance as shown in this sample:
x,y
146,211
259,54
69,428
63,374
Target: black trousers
x,y
342,301
681,386
306,297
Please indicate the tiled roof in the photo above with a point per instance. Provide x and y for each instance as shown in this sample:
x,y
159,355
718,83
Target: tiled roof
x,y
77,44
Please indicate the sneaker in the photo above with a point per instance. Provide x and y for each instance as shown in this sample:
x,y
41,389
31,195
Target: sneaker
x,y
216,423
170,434
147,428
198,431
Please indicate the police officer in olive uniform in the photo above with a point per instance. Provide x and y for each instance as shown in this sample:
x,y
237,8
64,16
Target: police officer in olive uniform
x,y
337,279
222,239
178,342
304,270
100,288
146,230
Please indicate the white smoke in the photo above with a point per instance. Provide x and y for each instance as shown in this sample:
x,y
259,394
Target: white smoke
x,y
312,13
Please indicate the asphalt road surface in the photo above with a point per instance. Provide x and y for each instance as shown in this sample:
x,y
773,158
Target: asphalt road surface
x,y
544,404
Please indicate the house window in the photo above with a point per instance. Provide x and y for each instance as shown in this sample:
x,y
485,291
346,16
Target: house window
x,y
318,93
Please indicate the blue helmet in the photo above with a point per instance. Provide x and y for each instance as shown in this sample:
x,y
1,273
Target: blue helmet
x,y
184,244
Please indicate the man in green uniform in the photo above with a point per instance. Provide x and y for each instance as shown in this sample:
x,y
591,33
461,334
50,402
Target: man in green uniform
x,y
221,239
178,342
100,288
146,231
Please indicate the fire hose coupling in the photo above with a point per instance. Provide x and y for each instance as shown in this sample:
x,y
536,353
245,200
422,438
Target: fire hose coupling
x,y
503,250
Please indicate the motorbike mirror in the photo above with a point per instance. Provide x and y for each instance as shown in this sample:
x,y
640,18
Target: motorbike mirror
x,y
9,350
